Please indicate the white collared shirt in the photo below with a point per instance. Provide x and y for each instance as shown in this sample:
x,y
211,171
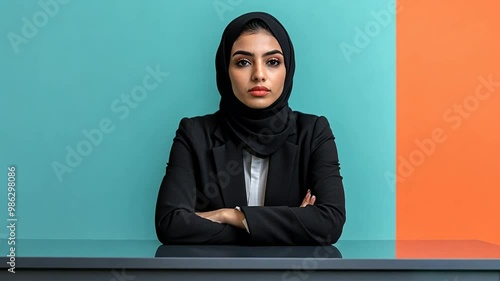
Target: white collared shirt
x,y
256,170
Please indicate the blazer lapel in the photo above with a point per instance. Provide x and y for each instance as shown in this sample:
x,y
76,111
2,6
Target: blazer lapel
x,y
230,172
231,177
279,177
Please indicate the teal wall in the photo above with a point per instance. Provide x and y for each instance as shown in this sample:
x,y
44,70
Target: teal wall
x,y
65,68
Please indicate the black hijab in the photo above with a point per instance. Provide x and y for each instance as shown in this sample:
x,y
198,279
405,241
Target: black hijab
x,y
262,131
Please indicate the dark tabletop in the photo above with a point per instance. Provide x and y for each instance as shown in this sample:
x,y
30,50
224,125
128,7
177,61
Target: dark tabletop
x,y
346,254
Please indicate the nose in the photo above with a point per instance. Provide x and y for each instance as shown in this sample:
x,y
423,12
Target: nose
x,y
259,73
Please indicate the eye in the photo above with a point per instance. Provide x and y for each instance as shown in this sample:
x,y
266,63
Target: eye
x,y
274,62
242,62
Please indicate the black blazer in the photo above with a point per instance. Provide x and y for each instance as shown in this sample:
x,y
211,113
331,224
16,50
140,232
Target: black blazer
x,y
201,176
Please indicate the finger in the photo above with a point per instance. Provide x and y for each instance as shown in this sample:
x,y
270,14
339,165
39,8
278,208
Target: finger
x,y
204,215
208,218
308,195
211,216
307,203
309,200
306,200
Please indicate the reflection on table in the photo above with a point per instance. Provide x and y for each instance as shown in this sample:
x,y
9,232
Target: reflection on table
x,y
322,252
346,249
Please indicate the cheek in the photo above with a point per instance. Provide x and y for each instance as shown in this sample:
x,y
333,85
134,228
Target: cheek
x,y
239,83
234,79
281,78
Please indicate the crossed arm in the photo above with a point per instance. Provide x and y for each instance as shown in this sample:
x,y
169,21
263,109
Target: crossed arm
x,y
235,217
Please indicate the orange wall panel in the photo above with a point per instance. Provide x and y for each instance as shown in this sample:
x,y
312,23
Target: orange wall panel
x,y
448,120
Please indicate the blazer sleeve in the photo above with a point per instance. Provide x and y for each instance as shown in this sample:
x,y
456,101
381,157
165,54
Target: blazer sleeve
x,y
321,223
175,220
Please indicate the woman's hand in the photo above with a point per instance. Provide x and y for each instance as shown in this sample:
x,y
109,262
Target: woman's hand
x,y
309,199
215,216
225,215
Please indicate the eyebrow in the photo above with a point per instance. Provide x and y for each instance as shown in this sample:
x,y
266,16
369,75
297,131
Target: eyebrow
x,y
273,52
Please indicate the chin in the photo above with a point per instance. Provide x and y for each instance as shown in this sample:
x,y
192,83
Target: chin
x,y
257,105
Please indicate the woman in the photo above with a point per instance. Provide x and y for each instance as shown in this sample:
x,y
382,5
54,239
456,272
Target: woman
x,y
255,172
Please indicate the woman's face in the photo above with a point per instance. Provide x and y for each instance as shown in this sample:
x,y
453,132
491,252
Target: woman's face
x,y
257,69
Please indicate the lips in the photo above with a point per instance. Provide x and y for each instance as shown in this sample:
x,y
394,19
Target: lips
x,y
259,91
